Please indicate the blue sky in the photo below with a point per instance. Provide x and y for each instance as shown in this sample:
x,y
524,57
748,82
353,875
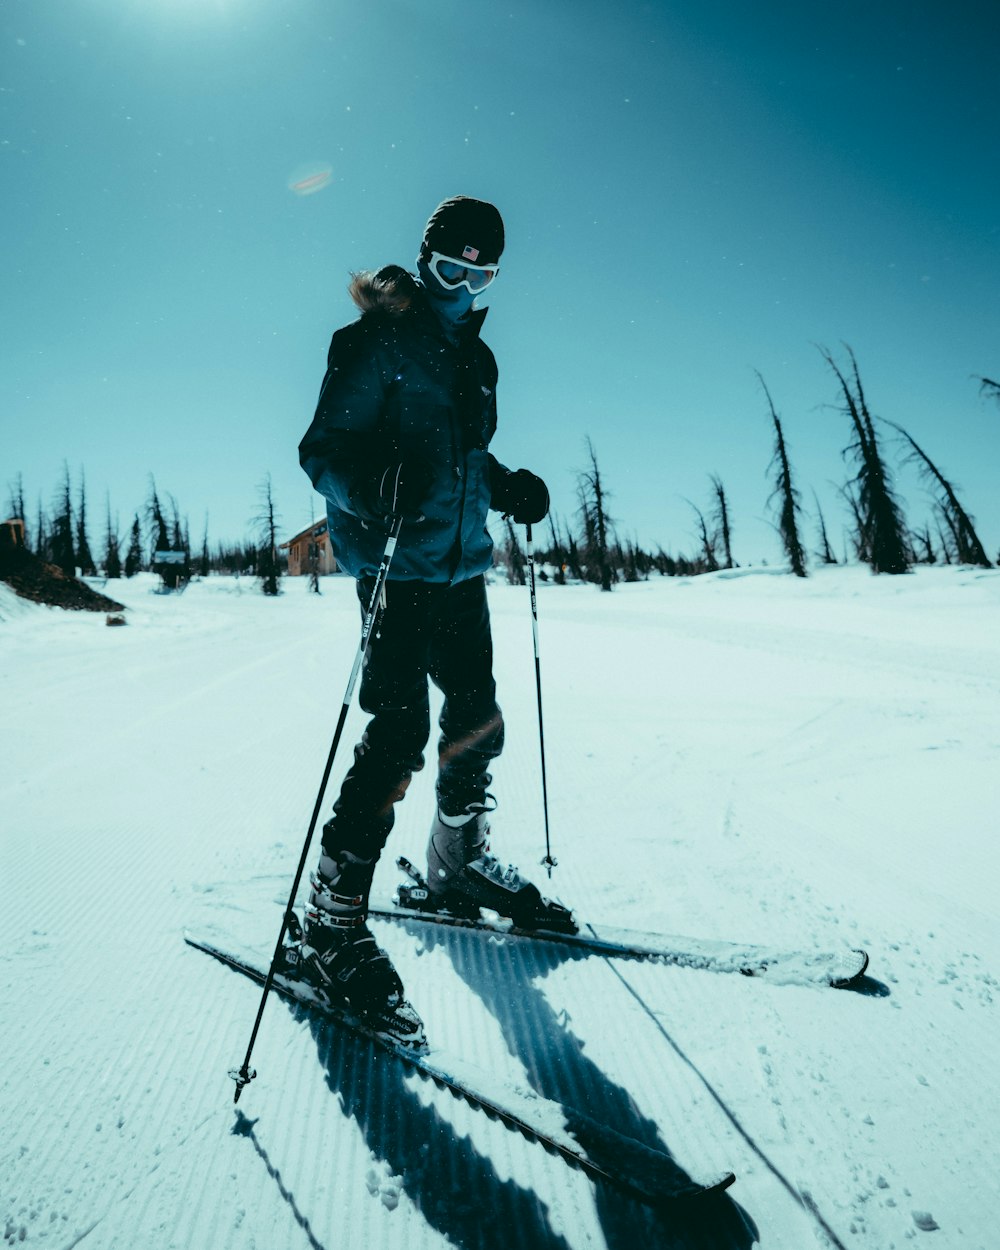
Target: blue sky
x,y
692,192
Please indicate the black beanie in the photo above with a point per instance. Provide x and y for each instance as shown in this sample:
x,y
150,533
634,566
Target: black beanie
x,y
466,229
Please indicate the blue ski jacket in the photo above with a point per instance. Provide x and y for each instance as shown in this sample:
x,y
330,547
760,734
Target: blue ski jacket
x,y
398,386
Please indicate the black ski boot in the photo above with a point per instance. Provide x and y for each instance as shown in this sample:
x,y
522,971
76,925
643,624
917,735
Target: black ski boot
x,y
342,958
463,876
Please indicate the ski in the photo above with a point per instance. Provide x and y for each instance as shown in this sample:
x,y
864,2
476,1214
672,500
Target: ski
x,y
643,1173
839,969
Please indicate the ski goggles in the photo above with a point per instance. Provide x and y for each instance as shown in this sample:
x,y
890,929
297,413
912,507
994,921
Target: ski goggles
x,y
452,273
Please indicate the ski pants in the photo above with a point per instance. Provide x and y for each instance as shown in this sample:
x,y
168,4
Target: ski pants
x,y
425,631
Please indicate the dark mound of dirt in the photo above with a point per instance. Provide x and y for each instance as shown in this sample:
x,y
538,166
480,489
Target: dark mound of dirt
x,y
33,579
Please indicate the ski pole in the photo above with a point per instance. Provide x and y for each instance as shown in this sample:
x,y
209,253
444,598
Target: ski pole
x,y
548,861
246,1074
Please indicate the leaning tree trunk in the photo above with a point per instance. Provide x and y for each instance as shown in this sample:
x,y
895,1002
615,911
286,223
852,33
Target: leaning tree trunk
x,y
883,529
968,547
788,497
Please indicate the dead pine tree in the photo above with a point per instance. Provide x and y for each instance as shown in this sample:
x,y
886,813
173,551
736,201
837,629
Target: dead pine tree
x,y
169,557
709,557
968,548
574,563
596,523
43,536
723,528
859,534
204,559
159,534
180,540
882,532
825,550
588,535
112,543
133,557
180,543
15,504
789,507
61,535
559,553
84,557
268,565
626,558
924,546
635,562
942,539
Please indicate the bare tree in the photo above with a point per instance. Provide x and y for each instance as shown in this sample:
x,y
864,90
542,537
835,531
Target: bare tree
x,y
826,551
636,562
180,543
204,560
559,554
84,558
112,552
15,499
133,557
942,539
859,534
968,548
882,532
573,560
789,505
664,564
16,508
707,539
596,522
43,538
922,539
159,534
61,540
178,530
169,557
722,527
627,557
268,564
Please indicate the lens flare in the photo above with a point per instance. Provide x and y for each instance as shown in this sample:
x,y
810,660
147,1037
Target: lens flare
x,y
308,179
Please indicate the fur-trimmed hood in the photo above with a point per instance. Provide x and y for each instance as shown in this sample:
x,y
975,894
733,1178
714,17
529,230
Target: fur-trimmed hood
x,y
394,291
390,290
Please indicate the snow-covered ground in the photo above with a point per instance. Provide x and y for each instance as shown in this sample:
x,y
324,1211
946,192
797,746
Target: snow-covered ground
x,y
743,756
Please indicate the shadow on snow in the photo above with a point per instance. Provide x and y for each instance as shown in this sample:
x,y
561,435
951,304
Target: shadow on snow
x,y
457,1190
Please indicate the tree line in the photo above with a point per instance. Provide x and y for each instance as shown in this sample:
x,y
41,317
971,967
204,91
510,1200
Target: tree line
x,y
591,550
158,539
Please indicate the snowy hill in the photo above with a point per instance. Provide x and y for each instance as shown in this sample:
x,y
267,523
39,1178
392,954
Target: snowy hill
x,y
743,756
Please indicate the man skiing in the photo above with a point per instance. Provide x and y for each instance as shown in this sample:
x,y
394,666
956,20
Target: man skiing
x,y
405,416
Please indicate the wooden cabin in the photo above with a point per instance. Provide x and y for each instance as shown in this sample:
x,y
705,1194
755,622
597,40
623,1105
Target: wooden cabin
x,y
312,544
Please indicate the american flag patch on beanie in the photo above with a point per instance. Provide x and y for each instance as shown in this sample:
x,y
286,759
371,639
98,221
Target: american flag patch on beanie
x,y
470,253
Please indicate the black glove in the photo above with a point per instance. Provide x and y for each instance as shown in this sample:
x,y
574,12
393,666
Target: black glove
x,y
522,496
399,489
